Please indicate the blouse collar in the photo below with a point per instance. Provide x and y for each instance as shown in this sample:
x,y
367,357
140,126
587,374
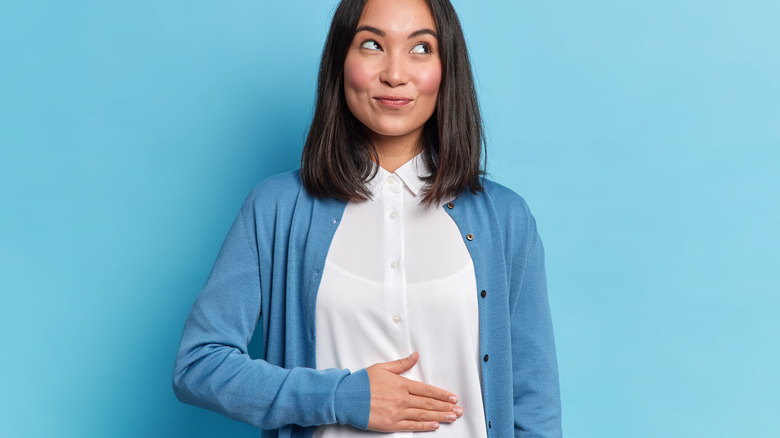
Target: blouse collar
x,y
412,173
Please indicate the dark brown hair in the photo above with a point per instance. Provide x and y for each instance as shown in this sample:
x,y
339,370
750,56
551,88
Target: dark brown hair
x,y
338,157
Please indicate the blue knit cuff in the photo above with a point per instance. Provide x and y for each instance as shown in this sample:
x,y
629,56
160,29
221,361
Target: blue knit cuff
x,y
353,400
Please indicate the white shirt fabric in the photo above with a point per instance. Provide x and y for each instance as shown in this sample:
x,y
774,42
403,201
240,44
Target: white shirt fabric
x,y
397,279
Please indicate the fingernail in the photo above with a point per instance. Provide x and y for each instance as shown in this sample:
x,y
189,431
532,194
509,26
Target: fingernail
x,y
458,410
434,426
453,399
451,417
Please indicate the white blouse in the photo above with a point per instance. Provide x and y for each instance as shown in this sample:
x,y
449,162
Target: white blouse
x,y
397,279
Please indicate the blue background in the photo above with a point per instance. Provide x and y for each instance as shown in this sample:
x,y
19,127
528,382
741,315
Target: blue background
x,y
645,136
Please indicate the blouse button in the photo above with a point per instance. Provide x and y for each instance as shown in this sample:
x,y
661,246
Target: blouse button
x,y
450,205
469,237
394,265
484,294
390,180
396,318
393,215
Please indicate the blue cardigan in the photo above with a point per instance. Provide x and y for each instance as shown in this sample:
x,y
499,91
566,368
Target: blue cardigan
x,y
270,265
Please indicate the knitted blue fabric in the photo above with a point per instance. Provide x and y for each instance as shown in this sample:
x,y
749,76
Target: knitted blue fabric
x,y
270,265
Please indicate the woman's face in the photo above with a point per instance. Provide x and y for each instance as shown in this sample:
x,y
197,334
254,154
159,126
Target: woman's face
x,y
392,71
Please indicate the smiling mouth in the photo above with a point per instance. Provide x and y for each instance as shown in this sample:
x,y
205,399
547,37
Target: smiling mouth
x,y
393,101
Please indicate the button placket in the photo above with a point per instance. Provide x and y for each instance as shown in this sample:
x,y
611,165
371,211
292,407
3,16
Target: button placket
x,y
395,290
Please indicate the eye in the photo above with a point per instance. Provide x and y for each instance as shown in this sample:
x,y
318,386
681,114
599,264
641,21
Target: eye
x,y
422,48
370,45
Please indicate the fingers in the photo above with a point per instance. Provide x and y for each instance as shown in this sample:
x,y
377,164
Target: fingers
x,y
424,415
423,420
400,366
401,404
416,426
429,404
431,392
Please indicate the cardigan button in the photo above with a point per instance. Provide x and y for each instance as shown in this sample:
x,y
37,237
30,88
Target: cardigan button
x,y
485,358
450,205
484,294
469,237
489,426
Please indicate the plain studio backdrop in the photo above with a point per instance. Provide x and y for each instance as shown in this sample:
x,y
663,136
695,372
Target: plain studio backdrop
x,y
644,135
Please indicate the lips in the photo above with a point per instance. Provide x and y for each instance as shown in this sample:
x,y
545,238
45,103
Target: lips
x,y
393,101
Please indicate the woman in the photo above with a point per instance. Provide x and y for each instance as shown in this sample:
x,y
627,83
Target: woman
x,y
387,254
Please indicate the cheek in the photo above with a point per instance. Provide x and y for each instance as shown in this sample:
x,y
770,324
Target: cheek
x,y
357,76
429,81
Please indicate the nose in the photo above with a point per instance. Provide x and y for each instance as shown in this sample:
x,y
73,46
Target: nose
x,y
394,72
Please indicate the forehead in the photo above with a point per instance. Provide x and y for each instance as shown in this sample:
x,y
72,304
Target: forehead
x,y
397,15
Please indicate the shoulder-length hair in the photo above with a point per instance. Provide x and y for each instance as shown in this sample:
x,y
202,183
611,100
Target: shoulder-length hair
x,y
338,156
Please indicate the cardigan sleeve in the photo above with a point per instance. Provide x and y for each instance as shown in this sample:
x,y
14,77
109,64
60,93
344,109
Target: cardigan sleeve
x,y
213,369
537,405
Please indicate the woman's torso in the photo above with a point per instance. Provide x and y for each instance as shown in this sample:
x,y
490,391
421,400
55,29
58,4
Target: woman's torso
x,y
398,278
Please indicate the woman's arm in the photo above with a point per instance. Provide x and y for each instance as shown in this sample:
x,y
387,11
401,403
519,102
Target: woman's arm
x,y
537,405
213,369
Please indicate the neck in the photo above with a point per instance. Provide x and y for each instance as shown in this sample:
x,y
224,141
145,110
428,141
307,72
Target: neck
x,y
394,152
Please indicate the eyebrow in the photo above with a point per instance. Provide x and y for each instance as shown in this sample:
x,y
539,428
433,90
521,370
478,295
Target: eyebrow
x,y
411,35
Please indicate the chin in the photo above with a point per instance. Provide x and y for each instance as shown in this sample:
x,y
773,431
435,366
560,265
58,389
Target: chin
x,y
394,129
